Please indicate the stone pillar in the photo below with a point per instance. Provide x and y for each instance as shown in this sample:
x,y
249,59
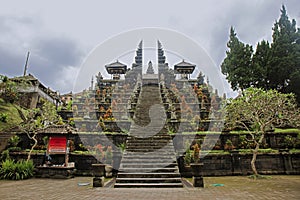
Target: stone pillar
x,y
198,181
197,174
98,181
99,173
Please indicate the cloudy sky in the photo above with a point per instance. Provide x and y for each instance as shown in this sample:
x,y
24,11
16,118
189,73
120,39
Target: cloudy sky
x,y
60,34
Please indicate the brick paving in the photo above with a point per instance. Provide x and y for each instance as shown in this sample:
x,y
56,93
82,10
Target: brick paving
x,y
277,187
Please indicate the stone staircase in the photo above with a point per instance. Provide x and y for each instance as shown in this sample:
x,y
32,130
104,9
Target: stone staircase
x,y
149,159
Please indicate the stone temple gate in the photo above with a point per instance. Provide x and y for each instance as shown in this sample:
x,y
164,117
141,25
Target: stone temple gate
x,y
149,107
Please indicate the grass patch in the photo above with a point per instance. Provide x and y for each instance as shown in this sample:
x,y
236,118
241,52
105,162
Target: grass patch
x,y
216,152
13,118
239,132
294,150
276,130
249,151
259,177
289,130
245,151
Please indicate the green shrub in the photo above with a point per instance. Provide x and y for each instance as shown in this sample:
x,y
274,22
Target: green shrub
x,y
3,117
229,145
14,141
4,155
289,141
188,157
69,105
19,170
244,143
122,147
11,149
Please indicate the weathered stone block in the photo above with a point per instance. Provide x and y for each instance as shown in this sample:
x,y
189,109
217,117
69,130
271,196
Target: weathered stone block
x,y
98,181
198,181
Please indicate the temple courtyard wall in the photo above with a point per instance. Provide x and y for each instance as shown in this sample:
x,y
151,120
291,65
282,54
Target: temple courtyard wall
x,y
223,164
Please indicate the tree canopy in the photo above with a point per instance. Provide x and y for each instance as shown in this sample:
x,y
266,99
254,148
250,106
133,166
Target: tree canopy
x,y
258,111
274,65
237,64
36,120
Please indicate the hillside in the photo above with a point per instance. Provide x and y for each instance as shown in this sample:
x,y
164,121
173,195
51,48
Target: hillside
x,y
13,117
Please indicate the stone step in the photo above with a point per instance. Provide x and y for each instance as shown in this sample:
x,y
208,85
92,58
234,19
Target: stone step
x,y
149,149
139,132
158,135
149,141
148,185
152,154
149,180
148,175
149,160
144,170
149,144
147,165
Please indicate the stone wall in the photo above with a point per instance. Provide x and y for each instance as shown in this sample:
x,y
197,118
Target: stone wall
x,y
83,163
214,165
273,140
87,139
239,164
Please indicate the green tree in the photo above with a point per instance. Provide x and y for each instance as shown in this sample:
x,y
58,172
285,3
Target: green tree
x,y
272,66
237,66
37,120
284,65
257,111
260,62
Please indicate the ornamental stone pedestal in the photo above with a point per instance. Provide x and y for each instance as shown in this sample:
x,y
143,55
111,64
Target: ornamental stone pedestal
x,y
197,174
99,173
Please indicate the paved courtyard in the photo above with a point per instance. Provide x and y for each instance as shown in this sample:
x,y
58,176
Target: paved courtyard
x,y
276,187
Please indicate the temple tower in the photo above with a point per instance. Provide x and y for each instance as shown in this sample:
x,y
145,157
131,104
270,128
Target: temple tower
x,y
163,67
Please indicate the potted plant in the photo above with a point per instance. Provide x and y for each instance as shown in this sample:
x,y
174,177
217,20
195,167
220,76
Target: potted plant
x,y
196,166
99,168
